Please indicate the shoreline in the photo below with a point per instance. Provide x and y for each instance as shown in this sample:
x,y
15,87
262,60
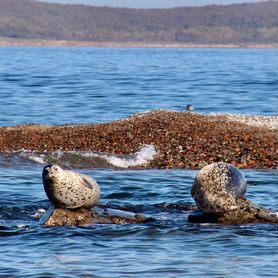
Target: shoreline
x,y
4,42
184,140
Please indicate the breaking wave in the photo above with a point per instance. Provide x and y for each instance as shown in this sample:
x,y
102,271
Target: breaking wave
x,y
92,159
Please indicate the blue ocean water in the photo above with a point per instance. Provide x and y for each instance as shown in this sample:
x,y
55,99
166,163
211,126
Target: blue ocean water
x,y
90,85
170,247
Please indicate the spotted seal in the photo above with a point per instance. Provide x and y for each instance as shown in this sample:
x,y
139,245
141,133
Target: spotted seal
x,y
68,189
217,187
189,107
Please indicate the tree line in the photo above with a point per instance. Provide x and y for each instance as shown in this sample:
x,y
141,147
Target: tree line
x,y
214,24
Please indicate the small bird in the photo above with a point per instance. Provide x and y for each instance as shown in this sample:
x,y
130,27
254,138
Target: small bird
x,y
68,189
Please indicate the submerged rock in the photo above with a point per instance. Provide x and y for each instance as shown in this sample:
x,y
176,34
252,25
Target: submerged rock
x,y
218,191
247,213
82,216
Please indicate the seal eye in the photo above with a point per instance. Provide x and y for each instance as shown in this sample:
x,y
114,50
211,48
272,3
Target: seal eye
x,y
55,168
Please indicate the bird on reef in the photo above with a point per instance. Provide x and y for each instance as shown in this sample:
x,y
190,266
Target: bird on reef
x,y
190,107
68,189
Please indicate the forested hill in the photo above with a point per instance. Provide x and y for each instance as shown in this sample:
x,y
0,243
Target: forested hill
x,y
232,24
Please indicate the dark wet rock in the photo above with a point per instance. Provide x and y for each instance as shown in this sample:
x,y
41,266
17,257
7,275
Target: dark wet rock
x,y
82,216
247,213
183,207
66,217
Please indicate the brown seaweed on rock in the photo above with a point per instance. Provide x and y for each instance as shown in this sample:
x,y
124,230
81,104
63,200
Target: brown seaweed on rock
x,y
184,140
247,213
82,216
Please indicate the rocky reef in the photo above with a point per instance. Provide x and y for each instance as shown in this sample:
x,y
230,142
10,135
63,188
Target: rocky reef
x,y
246,213
183,139
82,216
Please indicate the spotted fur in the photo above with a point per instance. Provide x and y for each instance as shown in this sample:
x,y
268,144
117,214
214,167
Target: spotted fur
x,y
68,189
217,187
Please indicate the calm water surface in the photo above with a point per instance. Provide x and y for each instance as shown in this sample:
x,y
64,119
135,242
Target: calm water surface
x,y
83,85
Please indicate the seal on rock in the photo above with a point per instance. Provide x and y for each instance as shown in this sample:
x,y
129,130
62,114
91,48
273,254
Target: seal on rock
x,y
68,189
217,188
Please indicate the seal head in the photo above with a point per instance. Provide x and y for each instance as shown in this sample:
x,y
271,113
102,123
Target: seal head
x,y
189,107
217,187
68,189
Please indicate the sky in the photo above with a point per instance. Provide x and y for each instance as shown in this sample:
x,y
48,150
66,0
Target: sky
x,y
151,3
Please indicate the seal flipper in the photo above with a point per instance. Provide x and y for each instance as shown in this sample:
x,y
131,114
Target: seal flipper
x,y
219,202
86,182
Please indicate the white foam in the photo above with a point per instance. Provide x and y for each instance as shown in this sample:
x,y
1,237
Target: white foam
x,y
39,158
40,212
145,154
22,226
270,122
58,154
142,157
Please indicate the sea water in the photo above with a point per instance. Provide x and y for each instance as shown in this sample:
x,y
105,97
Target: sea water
x,y
57,86
90,85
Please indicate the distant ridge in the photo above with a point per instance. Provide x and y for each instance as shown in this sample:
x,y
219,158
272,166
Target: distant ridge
x,y
254,23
